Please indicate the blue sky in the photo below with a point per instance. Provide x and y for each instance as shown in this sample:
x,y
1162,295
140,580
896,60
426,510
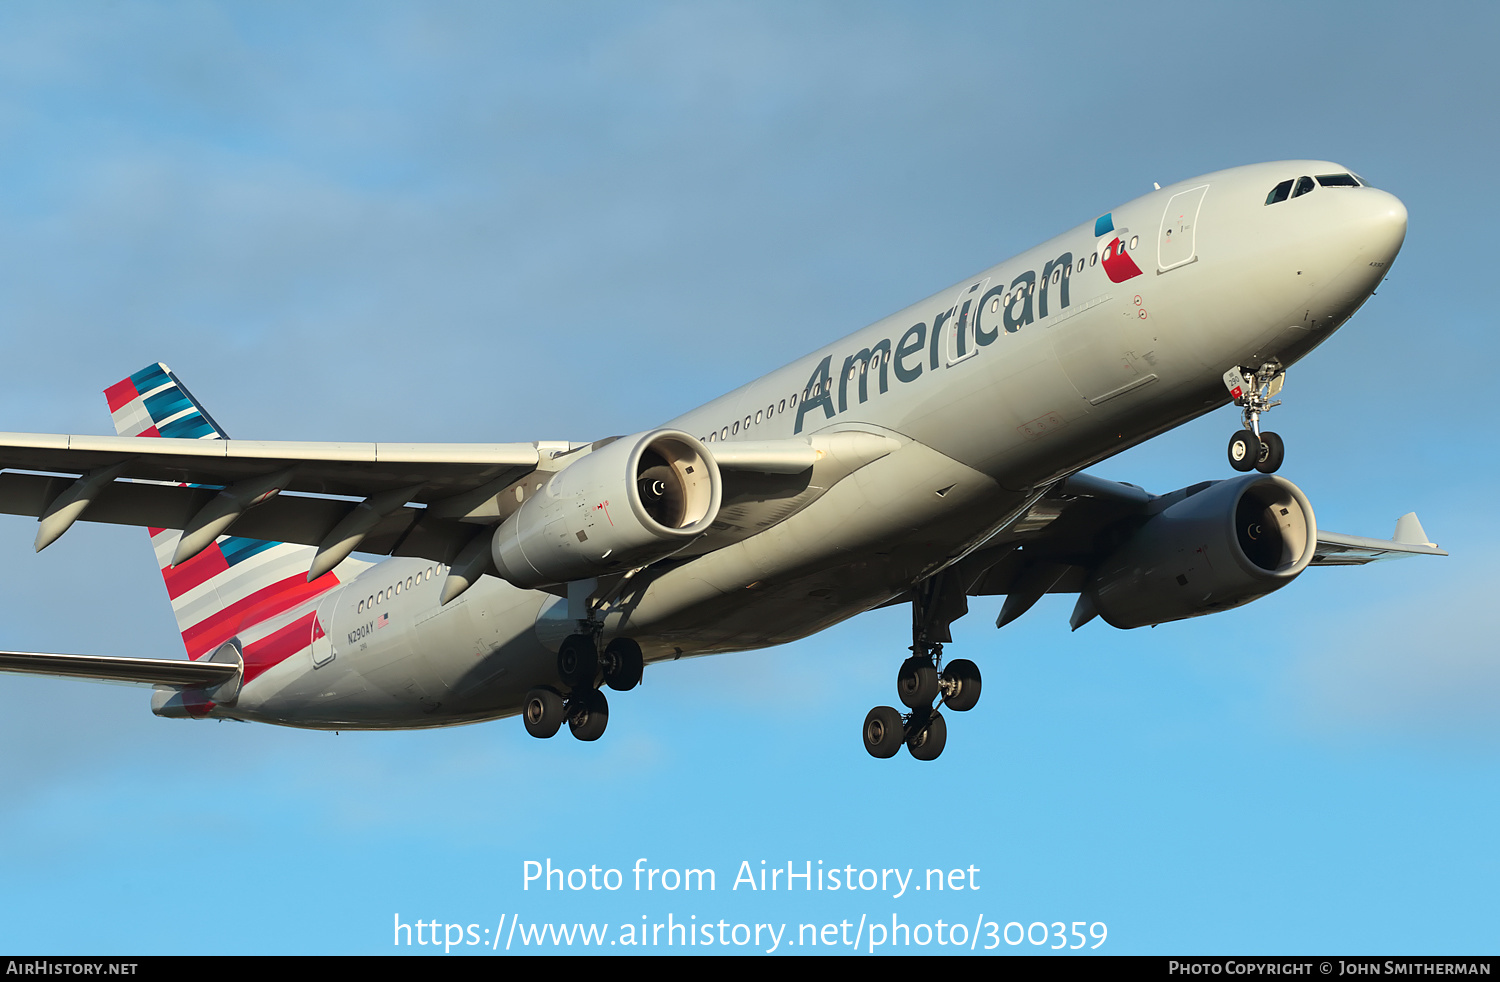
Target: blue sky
x,y
482,222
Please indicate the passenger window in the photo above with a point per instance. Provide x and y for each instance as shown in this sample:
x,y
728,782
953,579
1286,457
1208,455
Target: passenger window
x,y
1304,185
758,416
736,427
1135,240
1279,192
794,400
724,433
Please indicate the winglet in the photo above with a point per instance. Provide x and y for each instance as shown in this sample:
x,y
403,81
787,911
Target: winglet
x,y
1409,531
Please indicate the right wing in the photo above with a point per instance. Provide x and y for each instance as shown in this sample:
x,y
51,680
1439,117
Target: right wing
x,y
425,500
418,499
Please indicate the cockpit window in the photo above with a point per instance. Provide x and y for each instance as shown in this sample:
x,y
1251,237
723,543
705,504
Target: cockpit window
x,y
1279,192
1304,185
1338,181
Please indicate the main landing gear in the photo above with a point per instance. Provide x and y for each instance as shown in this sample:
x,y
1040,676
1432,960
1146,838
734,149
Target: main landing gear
x,y
581,666
1253,389
923,678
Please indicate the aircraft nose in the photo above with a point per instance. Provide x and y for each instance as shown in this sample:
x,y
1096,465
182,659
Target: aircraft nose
x,y
1386,222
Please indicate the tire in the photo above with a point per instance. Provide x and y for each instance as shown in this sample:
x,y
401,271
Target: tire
x,y
883,732
588,715
917,683
1244,450
965,676
577,661
624,664
1272,453
543,712
927,743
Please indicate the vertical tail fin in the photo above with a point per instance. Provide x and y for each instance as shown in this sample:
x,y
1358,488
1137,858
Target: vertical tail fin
x,y
249,589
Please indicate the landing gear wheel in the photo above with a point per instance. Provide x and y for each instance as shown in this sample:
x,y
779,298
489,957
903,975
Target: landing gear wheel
x,y
917,683
1244,450
588,715
1272,453
544,712
926,742
961,685
577,661
883,733
623,664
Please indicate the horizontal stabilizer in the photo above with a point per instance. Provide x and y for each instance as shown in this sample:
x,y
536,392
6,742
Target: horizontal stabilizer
x,y
144,671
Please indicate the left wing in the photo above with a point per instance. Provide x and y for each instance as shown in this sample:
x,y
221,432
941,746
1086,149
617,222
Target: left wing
x,y
1183,553
1337,549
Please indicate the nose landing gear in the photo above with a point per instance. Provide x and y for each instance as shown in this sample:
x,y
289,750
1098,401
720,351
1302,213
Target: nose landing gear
x,y
1250,449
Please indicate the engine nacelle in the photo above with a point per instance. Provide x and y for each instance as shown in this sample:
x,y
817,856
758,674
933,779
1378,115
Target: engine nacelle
x,y
630,502
1229,544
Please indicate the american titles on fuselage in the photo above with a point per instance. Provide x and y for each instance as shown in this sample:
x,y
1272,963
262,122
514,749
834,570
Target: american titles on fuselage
x,y
974,325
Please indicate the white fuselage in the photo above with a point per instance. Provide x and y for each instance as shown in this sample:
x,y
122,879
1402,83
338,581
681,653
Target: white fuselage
x,y
987,390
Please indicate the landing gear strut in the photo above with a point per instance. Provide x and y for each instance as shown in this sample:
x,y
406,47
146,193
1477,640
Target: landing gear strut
x,y
583,662
579,667
1253,389
923,678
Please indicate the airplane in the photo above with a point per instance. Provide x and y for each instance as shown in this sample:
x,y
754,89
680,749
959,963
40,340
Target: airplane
x,y
935,455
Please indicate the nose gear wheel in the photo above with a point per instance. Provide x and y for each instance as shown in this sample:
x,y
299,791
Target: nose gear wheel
x,y
1253,390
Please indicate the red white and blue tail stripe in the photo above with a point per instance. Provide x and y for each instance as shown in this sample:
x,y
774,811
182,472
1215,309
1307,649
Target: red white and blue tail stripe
x,y
246,589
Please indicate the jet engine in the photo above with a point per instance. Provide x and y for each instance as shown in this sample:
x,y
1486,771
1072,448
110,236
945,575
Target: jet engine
x,y
1231,543
625,503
